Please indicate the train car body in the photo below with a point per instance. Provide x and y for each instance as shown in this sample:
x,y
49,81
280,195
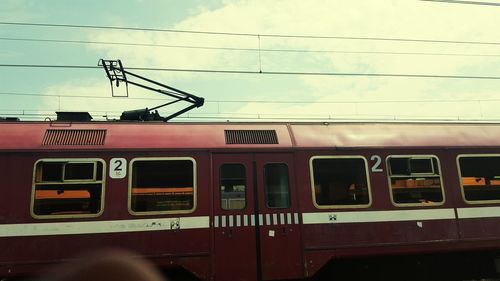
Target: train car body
x,y
234,201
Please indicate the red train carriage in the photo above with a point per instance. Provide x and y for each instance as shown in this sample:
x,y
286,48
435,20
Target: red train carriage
x,y
231,201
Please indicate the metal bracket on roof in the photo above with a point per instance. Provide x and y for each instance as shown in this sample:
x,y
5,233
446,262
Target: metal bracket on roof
x,y
116,73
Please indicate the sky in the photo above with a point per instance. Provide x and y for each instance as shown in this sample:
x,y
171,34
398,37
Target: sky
x,y
36,93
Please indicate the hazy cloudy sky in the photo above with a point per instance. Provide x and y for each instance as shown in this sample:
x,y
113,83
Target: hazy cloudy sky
x,y
285,96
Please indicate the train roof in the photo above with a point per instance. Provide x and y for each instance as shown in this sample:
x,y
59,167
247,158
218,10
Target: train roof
x,y
136,135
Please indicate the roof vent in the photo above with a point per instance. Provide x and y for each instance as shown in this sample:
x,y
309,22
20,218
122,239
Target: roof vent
x,y
251,137
74,137
73,116
9,119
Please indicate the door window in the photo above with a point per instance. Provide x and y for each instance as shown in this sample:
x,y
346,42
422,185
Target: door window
x,y
233,184
277,186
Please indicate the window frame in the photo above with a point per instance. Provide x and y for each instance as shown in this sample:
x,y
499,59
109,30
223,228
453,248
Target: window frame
x,y
265,186
63,182
313,193
460,178
415,156
129,191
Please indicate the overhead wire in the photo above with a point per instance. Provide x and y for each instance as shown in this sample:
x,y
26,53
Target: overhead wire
x,y
250,71
287,117
242,49
258,101
247,49
248,34
464,2
220,71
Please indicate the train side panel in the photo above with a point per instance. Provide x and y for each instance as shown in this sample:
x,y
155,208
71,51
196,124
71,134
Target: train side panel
x,y
28,241
375,226
476,177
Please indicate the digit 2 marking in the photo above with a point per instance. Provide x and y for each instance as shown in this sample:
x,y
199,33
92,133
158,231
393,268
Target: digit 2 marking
x,y
376,166
117,168
119,165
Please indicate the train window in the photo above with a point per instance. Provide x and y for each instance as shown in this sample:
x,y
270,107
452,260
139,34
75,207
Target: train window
x,y
276,184
79,171
415,180
162,185
340,181
233,184
50,171
68,188
480,178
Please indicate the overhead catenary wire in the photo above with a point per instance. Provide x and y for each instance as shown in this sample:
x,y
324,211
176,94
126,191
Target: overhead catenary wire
x,y
267,50
55,95
36,115
228,115
248,34
465,2
222,71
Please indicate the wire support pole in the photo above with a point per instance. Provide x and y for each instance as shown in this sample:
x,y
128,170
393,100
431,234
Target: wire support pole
x,y
260,59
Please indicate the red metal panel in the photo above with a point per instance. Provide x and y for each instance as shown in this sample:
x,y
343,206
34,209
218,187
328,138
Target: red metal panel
x,y
280,240
170,247
396,135
477,228
328,239
20,135
235,246
121,135
235,253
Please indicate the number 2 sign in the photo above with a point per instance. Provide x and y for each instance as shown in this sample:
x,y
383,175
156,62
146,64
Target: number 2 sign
x,y
117,168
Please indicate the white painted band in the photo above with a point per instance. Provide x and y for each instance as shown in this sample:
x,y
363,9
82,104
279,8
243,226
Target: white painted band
x,y
114,226
377,216
478,212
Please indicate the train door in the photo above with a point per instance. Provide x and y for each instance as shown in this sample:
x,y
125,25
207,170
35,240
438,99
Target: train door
x,y
278,217
256,221
234,219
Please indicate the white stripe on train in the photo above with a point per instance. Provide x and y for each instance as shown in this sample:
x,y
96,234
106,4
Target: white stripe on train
x,y
377,216
200,222
478,212
110,226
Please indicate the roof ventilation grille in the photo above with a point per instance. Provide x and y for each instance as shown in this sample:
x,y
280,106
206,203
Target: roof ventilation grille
x,y
251,137
74,137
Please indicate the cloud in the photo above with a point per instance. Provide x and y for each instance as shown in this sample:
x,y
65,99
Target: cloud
x,y
17,10
391,18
